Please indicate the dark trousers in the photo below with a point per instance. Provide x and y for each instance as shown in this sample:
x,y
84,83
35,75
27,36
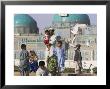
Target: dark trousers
x,y
24,73
79,63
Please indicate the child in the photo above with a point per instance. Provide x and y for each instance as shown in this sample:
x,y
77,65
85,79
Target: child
x,y
60,53
33,64
46,38
24,61
42,71
78,58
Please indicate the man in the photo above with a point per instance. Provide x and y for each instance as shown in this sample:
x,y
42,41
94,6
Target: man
x,y
52,37
78,57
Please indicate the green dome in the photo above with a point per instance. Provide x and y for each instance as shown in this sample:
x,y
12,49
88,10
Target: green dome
x,y
25,21
80,18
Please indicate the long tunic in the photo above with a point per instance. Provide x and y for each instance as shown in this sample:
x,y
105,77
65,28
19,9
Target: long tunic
x,y
52,40
49,53
60,53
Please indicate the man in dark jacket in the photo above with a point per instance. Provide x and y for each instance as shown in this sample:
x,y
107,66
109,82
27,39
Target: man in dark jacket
x,y
78,57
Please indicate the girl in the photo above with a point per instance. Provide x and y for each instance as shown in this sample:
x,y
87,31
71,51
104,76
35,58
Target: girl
x,y
33,61
60,53
46,38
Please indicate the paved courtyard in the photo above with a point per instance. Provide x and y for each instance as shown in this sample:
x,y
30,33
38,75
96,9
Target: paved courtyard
x,y
63,74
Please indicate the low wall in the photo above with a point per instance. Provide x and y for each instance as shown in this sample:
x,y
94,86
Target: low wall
x,y
70,63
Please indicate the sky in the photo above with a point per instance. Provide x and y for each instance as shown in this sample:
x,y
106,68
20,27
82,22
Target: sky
x,y
45,20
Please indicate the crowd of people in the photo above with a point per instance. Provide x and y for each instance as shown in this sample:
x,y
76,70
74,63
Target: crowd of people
x,y
54,57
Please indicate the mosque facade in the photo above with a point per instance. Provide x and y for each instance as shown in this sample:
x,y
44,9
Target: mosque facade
x,y
27,32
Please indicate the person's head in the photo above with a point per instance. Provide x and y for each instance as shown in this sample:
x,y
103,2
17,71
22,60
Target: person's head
x,y
58,38
59,43
23,46
51,31
41,64
32,52
46,32
78,46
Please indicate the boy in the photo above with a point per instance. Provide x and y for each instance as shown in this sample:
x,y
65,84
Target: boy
x,y
60,53
42,71
24,61
78,57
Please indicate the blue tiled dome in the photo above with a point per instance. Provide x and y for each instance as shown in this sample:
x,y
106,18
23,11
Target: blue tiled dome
x,y
80,18
24,20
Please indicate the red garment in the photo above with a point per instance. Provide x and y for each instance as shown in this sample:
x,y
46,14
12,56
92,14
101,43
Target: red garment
x,y
46,39
46,42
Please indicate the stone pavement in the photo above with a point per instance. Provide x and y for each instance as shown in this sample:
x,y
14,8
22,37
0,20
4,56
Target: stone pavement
x,y
62,74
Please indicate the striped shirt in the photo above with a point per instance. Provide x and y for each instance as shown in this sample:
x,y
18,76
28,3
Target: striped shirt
x,y
24,55
24,59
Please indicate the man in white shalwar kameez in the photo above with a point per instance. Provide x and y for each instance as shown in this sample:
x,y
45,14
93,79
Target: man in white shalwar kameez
x,y
52,40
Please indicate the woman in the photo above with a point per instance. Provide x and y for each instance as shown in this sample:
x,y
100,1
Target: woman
x,y
51,60
48,52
